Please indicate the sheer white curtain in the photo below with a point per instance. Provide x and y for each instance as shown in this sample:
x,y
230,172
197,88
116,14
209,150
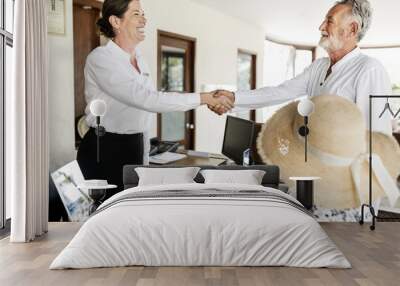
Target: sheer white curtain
x,y
27,124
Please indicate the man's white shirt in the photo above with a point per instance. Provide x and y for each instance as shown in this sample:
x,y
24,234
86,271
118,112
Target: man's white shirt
x,y
130,96
355,77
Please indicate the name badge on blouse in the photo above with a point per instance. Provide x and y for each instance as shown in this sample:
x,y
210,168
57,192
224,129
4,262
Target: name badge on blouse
x,y
146,74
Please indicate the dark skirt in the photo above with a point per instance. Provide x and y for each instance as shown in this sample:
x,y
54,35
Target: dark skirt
x,y
116,150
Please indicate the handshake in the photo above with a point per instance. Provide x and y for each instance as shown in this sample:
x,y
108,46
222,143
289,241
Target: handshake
x,y
218,101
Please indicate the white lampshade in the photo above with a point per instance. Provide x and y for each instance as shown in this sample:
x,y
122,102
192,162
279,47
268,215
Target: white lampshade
x,y
98,107
305,107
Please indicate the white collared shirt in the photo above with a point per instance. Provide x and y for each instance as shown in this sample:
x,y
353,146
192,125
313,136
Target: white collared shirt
x,y
355,77
130,96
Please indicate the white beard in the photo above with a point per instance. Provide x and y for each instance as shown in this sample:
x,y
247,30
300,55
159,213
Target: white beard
x,y
331,44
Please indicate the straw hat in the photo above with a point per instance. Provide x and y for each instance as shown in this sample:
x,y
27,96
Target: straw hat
x,y
83,128
337,152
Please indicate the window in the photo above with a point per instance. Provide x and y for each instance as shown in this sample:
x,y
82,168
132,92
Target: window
x,y
246,78
9,16
302,60
283,62
173,79
172,71
390,58
6,45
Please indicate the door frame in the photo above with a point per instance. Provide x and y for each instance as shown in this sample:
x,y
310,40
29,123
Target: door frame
x,y
175,40
253,83
91,3
79,97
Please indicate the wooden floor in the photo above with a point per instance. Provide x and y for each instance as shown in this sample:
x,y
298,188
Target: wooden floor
x,y
375,257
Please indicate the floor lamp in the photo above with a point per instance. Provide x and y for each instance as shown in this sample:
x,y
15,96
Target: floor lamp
x,y
305,108
369,205
98,108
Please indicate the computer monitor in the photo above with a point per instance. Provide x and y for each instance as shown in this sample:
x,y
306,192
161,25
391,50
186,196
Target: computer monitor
x,y
238,137
256,158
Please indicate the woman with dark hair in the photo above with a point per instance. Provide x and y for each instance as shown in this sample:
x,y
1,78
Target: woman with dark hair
x,y
118,74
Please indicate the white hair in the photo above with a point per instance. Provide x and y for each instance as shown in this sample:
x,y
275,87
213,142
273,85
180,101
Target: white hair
x,y
361,12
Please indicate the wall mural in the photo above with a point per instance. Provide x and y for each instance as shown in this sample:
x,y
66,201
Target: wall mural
x,y
337,154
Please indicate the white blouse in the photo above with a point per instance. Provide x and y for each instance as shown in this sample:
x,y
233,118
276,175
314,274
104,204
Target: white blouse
x,y
354,77
130,96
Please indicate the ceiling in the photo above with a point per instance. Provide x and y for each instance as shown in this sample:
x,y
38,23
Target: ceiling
x,y
297,22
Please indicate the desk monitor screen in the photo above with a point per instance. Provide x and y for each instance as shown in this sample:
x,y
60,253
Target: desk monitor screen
x,y
238,137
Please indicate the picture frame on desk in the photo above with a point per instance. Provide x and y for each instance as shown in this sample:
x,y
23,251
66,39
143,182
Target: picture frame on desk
x,y
75,200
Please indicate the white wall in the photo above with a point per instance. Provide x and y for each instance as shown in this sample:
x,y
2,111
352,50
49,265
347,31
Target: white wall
x,y
61,95
297,22
218,38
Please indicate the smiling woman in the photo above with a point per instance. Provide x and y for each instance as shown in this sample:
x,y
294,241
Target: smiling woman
x,y
118,74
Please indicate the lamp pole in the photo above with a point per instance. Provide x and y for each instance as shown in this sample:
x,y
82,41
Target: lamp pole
x,y
369,205
98,138
98,108
305,108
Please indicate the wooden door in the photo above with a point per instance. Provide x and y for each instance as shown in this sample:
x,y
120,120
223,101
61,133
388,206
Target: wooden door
x,y
246,77
176,62
86,38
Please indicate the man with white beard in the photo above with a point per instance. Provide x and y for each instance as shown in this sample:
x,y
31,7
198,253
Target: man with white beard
x,y
346,72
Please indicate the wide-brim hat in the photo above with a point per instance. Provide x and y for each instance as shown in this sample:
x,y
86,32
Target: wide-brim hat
x,y
337,152
82,126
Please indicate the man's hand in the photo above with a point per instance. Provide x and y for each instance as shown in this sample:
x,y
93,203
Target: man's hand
x,y
222,94
217,102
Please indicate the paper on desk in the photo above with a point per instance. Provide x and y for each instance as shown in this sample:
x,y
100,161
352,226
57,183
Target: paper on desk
x,y
166,157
